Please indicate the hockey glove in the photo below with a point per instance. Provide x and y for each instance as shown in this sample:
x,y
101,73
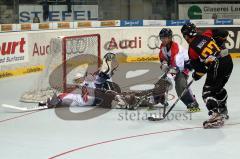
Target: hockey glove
x,y
197,75
188,65
164,67
173,71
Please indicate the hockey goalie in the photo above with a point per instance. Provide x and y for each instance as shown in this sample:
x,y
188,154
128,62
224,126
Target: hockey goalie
x,y
98,90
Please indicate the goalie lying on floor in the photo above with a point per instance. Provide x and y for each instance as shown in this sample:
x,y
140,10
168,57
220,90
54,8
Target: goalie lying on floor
x,y
94,90
88,95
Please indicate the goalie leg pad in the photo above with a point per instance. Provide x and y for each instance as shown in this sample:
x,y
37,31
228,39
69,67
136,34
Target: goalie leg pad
x,y
180,85
104,99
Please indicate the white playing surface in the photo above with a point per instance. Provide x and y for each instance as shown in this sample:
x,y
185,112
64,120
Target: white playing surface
x,y
116,134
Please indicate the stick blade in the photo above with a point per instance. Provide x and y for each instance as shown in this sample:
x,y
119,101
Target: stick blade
x,y
22,109
155,118
13,107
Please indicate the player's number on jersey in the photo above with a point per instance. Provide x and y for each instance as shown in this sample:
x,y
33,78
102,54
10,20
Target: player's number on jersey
x,y
210,49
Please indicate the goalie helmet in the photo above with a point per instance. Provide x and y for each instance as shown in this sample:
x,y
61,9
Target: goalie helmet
x,y
79,77
109,63
109,56
165,32
189,29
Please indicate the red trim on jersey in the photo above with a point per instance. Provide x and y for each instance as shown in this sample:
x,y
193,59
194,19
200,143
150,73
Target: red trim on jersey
x,y
161,56
192,54
208,33
85,93
174,51
186,71
62,95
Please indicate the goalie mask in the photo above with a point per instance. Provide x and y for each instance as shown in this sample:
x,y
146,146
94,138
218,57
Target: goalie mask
x,y
109,56
79,78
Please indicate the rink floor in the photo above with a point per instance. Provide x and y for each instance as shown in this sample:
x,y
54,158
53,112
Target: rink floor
x,y
116,134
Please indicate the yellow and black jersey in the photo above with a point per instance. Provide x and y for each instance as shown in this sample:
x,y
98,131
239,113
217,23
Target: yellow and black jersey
x,y
202,52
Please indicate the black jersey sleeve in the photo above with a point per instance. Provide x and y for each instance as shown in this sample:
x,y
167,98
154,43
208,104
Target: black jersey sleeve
x,y
199,67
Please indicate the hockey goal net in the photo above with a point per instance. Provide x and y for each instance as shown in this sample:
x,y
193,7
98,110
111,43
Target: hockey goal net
x,y
69,55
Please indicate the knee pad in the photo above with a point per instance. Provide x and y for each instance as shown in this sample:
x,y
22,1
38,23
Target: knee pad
x,y
207,92
211,103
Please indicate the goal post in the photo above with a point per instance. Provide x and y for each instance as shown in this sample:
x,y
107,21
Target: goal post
x,y
68,56
85,45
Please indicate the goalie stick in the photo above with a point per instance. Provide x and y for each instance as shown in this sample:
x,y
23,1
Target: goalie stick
x,y
23,109
165,114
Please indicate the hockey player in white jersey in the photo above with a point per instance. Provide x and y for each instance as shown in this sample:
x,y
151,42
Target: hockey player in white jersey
x,y
176,57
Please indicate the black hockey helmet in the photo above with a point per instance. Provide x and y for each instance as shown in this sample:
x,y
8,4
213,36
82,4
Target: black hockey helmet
x,y
189,29
165,32
220,36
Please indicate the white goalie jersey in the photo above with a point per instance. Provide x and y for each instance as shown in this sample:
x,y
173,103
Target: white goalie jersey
x,y
84,97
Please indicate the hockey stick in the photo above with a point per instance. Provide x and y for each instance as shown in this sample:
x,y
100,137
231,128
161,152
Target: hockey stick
x,y
23,109
165,114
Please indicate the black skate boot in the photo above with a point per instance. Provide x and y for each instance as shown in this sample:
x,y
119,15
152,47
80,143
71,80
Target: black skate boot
x,y
193,107
42,104
223,111
215,121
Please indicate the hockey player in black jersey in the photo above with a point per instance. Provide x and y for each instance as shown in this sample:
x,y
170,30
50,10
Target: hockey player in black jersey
x,y
209,56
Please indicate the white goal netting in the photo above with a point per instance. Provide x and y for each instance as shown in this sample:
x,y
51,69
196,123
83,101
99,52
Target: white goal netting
x,y
69,55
